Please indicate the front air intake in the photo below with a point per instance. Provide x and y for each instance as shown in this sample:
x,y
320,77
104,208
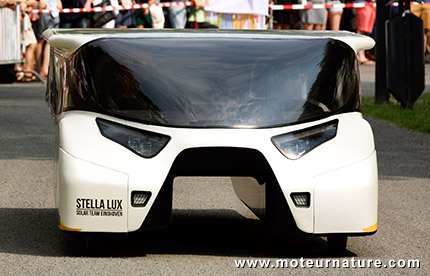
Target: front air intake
x,y
301,200
139,198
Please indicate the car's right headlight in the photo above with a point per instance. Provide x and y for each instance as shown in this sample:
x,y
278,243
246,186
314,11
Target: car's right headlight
x,y
295,144
144,143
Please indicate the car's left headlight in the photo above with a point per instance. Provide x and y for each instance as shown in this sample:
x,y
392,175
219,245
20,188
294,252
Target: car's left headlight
x,y
144,143
295,144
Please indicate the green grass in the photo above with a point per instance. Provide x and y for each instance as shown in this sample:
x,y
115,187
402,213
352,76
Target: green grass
x,y
417,119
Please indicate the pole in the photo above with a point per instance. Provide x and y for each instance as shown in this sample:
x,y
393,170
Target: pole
x,y
382,95
408,46
271,19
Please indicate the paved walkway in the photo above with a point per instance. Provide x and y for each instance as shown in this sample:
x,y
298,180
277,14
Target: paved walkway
x,y
367,74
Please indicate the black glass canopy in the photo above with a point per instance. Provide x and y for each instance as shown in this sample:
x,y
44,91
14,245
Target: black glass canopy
x,y
210,82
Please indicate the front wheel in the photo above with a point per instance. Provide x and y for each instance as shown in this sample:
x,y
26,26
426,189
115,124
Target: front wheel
x,y
337,244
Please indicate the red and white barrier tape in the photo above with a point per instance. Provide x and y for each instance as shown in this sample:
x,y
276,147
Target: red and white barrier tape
x,y
119,7
320,6
328,6
191,3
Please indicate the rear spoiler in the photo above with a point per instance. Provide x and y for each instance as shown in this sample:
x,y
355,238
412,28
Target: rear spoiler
x,y
69,40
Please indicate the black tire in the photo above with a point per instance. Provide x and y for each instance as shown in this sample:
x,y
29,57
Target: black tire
x,y
92,242
337,244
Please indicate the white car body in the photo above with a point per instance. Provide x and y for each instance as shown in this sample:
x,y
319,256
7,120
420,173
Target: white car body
x,y
96,176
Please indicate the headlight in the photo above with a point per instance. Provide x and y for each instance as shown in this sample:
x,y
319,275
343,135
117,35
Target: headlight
x,y
295,144
144,143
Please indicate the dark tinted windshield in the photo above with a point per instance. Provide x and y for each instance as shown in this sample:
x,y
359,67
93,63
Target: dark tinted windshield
x,y
214,82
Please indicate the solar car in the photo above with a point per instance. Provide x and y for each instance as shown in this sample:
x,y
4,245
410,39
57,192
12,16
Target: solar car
x,y
277,111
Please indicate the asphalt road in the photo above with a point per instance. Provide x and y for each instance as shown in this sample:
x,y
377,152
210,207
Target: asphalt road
x,y
211,228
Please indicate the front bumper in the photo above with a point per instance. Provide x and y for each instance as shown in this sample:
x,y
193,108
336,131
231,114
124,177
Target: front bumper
x,y
96,176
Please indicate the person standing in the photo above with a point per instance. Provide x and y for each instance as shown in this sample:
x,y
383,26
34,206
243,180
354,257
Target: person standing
x,y
29,40
74,20
157,14
141,16
111,23
423,12
365,20
125,18
283,19
46,21
334,15
314,19
196,19
178,16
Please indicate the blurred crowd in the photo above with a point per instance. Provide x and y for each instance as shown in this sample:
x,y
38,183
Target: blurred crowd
x,y
34,24
360,20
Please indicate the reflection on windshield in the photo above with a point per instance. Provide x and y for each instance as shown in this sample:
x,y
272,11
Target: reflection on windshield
x,y
214,82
